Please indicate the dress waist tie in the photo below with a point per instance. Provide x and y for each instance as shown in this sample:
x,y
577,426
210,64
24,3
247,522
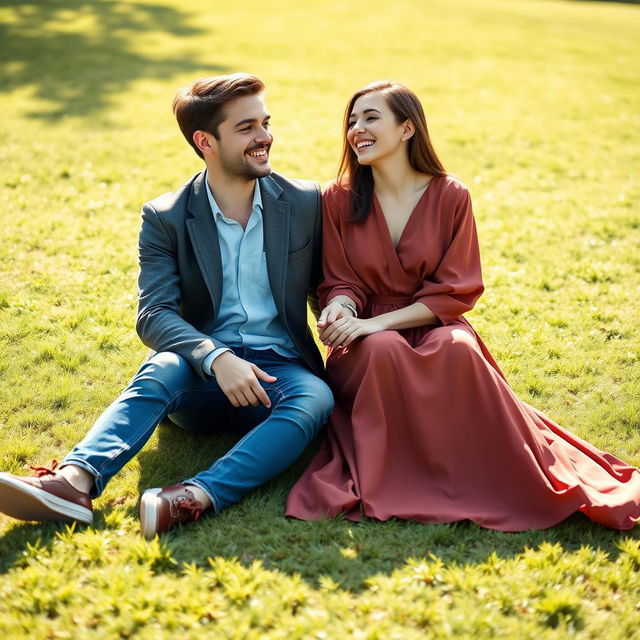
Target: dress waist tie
x,y
399,300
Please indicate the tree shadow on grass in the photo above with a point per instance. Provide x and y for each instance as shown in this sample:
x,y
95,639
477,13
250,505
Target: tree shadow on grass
x,y
76,55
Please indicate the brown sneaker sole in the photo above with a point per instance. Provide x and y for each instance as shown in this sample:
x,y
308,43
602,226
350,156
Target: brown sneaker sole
x,y
25,502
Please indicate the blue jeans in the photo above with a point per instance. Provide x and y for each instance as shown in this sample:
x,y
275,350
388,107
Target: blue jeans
x,y
166,385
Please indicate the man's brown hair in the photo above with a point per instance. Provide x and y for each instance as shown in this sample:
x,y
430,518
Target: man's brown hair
x,y
200,107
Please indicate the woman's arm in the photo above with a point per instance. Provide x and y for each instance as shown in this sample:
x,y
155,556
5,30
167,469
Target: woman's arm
x,y
343,331
340,279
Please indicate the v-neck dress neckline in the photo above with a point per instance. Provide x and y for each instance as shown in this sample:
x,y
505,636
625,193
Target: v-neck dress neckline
x,y
384,225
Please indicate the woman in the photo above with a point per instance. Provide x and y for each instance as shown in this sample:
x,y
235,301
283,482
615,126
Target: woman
x,y
425,426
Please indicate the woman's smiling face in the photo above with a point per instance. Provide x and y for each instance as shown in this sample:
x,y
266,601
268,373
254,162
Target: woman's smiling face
x,y
373,130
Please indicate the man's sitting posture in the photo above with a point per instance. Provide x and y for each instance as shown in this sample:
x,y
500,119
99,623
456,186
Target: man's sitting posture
x,y
227,263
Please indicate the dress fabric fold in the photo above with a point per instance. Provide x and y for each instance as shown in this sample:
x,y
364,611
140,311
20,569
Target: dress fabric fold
x,y
425,425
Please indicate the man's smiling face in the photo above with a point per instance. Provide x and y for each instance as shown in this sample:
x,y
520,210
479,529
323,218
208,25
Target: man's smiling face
x,y
244,139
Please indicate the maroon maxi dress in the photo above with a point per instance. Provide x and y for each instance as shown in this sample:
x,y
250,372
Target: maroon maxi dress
x,y
425,425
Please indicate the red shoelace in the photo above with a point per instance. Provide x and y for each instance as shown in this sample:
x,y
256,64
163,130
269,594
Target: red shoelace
x,y
44,471
188,508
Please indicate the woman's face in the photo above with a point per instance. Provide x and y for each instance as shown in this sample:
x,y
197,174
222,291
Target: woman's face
x,y
373,132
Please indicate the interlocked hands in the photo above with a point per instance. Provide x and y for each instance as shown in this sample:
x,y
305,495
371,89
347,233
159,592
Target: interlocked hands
x,y
337,327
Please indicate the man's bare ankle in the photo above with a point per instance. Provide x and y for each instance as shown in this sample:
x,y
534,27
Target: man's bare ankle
x,y
78,477
200,495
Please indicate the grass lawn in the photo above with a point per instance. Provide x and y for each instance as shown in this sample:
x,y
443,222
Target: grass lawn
x,y
533,104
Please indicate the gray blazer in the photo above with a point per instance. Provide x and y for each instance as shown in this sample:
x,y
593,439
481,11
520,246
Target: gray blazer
x,y
180,282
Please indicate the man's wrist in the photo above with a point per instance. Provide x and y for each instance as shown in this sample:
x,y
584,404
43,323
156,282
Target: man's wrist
x,y
207,363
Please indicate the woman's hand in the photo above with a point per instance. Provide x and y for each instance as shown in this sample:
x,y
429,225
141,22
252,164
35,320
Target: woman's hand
x,y
343,331
337,326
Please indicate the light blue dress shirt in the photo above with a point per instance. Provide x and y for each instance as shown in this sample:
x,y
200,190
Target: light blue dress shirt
x,y
248,316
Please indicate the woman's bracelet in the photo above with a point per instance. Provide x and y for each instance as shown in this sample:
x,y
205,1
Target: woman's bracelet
x,y
351,307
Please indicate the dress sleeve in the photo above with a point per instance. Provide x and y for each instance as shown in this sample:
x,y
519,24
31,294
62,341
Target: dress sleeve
x,y
456,284
339,276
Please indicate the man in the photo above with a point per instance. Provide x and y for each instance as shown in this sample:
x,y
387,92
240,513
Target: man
x,y
227,263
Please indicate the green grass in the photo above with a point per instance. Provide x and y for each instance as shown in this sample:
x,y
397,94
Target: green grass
x,y
533,104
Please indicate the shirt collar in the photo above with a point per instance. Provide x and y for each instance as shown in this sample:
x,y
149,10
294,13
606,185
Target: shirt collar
x,y
256,204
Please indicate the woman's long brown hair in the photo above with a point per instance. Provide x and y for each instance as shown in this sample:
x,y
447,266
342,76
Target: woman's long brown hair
x,y
358,179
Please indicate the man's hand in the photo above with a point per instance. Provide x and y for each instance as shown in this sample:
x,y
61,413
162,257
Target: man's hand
x,y
334,311
239,380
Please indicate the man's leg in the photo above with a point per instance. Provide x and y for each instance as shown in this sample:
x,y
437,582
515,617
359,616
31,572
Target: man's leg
x,y
301,404
161,385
